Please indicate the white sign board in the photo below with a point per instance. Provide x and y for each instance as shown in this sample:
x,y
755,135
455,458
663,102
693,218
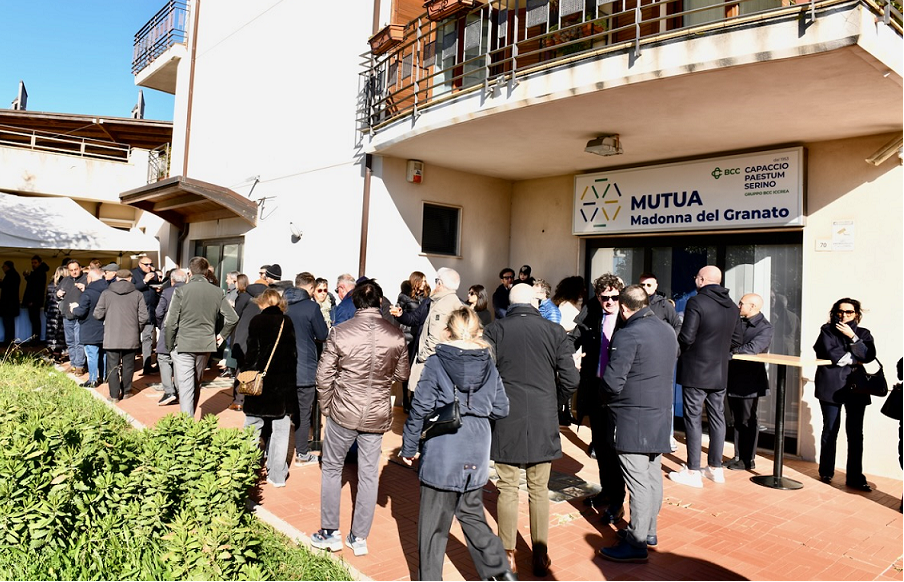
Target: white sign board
x,y
758,190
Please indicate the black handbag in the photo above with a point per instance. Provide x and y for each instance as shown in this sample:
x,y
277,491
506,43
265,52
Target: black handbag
x,y
445,420
859,381
892,405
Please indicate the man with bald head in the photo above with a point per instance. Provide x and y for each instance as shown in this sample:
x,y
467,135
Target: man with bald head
x,y
747,381
710,330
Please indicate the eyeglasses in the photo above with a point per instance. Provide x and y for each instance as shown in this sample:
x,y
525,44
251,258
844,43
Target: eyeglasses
x,y
605,298
648,284
146,264
845,312
507,277
319,290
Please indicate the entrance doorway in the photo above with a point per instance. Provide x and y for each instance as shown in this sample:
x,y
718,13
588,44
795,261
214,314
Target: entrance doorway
x,y
769,264
224,255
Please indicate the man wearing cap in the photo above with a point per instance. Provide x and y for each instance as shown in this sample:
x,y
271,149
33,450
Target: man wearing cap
x,y
109,271
122,309
273,274
143,277
191,330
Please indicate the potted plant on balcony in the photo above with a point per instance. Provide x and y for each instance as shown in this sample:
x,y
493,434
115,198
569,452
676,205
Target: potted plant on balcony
x,y
442,9
386,38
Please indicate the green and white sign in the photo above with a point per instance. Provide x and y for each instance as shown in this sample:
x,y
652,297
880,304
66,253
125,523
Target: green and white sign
x,y
758,190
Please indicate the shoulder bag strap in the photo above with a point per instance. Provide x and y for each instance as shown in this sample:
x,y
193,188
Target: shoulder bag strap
x,y
279,335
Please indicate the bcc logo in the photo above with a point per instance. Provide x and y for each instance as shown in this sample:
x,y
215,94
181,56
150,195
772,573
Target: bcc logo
x,y
607,204
719,172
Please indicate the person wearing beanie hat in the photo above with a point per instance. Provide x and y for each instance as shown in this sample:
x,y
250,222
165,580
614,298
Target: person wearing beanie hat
x,y
274,273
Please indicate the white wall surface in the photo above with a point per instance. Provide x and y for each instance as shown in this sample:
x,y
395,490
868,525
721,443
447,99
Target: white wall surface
x,y
842,186
36,172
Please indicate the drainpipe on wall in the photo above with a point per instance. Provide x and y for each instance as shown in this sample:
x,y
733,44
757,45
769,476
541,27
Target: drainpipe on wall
x,y
191,90
368,164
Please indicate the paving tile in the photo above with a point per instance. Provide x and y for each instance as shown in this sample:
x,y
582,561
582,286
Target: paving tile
x,y
735,531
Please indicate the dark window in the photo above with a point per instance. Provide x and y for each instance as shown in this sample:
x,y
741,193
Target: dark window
x,y
440,234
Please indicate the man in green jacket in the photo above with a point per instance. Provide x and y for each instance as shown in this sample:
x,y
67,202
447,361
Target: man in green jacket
x,y
192,332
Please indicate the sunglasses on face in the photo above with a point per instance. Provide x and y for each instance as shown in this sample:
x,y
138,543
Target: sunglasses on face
x,y
608,298
320,291
845,312
146,264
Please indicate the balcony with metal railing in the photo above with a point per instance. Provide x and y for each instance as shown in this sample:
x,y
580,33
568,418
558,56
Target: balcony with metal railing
x,y
497,45
159,46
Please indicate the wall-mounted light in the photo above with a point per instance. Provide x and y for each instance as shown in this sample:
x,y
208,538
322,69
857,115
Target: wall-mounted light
x,y
605,145
296,232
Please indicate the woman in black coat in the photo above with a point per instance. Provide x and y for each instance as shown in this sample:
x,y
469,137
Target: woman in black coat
x,y
847,345
273,407
415,293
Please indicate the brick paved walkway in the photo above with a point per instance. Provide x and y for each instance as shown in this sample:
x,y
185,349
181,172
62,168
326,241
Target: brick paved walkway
x,y
736,531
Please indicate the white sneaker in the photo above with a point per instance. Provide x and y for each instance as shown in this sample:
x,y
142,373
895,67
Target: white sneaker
x,y
673,444
275,484
714,474
359,545
687,477
331,542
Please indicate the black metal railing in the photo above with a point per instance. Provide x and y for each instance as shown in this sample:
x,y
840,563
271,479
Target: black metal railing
x,y
165,29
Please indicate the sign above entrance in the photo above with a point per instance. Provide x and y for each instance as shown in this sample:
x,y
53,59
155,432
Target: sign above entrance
x,y
758,190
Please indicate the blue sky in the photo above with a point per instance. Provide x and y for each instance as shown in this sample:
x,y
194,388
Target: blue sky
x,y
75,56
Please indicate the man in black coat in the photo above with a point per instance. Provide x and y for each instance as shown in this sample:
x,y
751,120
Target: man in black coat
x,y
35,292
710,330
530,353
747,381
143,277
9,301
501,294
658,302
91,330
310,328
637,385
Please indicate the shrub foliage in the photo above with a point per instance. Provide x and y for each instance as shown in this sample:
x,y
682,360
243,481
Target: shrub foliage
x,y
83,496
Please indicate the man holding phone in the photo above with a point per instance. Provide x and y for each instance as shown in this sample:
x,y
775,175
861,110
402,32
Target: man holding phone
x,y
191,330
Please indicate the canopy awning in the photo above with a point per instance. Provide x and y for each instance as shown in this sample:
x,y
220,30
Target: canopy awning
x,y
180,201
53,223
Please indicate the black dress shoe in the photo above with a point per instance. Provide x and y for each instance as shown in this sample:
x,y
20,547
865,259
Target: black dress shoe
x,y
540,561
825,478
652,540
864,486
613,514
739,465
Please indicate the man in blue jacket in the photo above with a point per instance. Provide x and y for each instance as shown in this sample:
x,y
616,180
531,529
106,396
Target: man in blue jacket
x,y
309,329
637,385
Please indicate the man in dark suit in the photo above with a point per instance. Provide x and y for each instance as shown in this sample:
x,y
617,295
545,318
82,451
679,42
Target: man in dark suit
x,y
501,294
143,277
310,328
637,386
747,381
710,330
530,353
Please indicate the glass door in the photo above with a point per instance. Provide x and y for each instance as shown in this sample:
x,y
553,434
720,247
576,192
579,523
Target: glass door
x,y
224,255
767,264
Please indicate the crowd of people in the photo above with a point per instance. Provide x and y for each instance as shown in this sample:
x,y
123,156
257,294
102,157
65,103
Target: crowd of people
x,y
515,365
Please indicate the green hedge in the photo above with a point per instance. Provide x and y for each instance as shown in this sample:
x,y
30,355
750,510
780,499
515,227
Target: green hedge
x,y
84,496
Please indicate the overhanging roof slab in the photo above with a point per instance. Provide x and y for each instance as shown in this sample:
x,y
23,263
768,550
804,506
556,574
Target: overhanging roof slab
x,y
180,200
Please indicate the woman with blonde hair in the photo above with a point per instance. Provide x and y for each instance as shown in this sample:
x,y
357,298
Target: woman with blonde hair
x,y
454,467
53,330
271,348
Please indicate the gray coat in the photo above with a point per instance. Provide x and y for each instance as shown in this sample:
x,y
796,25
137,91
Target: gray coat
x,y
123,310
458,461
